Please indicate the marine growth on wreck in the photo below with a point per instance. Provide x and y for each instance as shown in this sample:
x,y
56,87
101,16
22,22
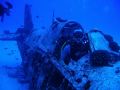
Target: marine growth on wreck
x,y
64,54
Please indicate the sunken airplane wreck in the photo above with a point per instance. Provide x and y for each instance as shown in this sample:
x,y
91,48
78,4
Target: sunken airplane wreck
x,y
42,67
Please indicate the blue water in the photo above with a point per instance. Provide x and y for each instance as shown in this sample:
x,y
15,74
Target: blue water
x,y
101,14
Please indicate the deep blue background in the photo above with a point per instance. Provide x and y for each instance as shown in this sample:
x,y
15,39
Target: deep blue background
x,y
101,14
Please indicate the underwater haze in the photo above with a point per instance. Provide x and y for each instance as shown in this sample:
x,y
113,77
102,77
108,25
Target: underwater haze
x,y
23,46
101,14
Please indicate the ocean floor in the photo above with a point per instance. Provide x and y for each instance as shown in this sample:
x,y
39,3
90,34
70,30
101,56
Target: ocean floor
x,y
10,59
